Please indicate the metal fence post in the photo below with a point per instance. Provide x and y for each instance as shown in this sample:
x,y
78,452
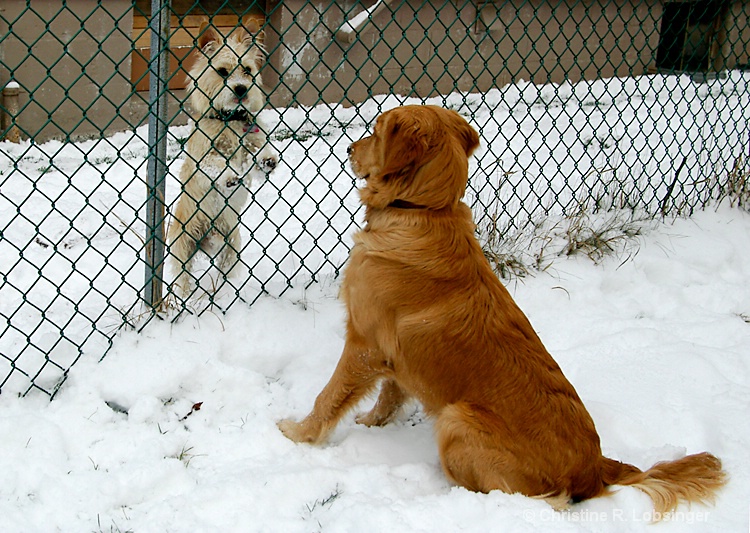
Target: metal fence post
x,y
157,151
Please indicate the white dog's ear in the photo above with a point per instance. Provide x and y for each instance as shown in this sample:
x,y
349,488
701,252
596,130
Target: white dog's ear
x,y
209,38
250,24
251,35
251,30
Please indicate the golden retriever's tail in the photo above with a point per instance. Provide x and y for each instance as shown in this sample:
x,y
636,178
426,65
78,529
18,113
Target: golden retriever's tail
x,y
694,478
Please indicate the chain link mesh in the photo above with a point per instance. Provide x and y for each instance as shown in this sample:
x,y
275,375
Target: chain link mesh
x,y
84,210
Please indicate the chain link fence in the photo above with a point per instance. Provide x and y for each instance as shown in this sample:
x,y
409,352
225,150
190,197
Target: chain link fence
x,y
637,106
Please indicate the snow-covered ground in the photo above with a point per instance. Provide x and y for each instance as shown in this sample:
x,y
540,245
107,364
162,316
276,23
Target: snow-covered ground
x,y
175,429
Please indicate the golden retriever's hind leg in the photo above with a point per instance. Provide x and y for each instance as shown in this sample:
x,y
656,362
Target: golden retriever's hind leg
x,y
353,378
389,402
469,455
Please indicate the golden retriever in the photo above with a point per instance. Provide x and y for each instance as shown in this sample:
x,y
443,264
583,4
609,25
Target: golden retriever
x,y
429,319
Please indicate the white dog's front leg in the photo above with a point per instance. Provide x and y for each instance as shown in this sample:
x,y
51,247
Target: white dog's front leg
x,y
267,159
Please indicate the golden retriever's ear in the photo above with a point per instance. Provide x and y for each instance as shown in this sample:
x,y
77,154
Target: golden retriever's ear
x,y
424,154
467,136
440,180
404,149
405,146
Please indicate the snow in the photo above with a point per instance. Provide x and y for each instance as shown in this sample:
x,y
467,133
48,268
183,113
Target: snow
x,y
355,24
175,429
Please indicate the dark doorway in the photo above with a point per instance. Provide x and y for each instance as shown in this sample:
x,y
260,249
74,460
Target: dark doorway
x,y
687,33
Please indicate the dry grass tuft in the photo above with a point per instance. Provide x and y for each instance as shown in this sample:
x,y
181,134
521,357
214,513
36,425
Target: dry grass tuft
x,y
601,236
517,252
736,187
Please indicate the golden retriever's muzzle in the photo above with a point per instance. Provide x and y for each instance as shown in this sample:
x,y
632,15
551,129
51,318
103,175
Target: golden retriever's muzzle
x,y
353,163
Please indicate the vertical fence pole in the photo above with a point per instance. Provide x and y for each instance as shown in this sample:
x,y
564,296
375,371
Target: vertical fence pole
x,y
157,151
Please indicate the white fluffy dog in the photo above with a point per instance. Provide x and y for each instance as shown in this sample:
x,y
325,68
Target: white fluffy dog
x,y
225,148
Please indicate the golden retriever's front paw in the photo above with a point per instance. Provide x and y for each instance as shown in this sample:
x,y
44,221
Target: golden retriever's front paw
x,y
370,419
296,431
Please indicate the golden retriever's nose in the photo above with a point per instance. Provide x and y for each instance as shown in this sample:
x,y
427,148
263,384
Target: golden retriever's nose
x,y
349,150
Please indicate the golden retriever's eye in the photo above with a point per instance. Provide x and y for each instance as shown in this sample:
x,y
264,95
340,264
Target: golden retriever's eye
x,y
222,72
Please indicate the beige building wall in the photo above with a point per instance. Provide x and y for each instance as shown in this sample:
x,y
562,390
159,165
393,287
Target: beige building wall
x,y
484,44
74,77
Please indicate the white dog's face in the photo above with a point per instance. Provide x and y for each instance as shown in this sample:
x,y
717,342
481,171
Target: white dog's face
x,y
225,77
